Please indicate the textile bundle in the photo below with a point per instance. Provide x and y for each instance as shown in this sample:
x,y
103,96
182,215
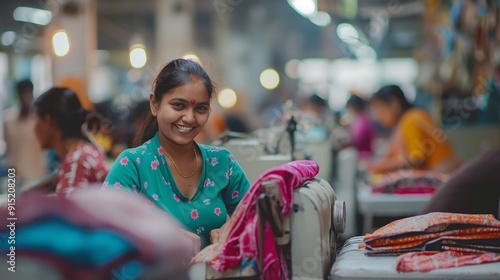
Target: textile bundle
x,y
96,235
412,182
437,240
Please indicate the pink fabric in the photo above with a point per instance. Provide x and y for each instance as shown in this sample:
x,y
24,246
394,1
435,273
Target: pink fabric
x,y
240,239
427,261
362,134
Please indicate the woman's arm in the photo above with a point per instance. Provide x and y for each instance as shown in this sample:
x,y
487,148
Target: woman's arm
x,y
237,187
394,159
232,195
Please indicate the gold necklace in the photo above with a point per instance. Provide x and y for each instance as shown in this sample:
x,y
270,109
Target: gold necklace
x,y
175,165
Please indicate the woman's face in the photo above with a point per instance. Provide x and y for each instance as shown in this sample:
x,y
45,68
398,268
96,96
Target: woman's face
x,y
43,131
182,112
387,113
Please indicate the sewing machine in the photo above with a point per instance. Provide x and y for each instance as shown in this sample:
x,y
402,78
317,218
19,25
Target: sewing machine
x,y
309,232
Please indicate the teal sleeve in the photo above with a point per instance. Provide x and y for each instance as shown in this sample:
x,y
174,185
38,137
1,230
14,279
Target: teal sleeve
x,y
124,174
237,188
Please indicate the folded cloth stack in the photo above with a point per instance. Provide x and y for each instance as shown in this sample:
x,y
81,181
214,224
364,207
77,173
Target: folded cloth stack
x,y
437,240
238,244
95,235
409,182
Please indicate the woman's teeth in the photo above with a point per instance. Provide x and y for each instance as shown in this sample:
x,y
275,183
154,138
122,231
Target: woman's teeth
x,y
184,128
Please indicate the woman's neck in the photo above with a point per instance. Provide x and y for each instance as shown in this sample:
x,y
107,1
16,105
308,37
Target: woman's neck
x,y
178,152
65,145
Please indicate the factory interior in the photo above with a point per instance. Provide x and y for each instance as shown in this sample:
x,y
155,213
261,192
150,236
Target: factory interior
x,y
250,139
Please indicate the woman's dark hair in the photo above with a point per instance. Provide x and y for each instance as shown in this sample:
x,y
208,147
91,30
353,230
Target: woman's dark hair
x,y
388,93
176,73
317,100
356,102
63,105
24,84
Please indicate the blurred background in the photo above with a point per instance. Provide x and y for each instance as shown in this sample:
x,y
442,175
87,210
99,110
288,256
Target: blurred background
x,y
445,56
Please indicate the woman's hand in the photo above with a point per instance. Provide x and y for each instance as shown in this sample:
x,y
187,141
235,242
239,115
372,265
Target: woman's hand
x,y
216,234
194,238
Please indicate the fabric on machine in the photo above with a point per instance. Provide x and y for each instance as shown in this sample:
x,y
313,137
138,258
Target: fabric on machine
x,y
409,182
239,242
437,240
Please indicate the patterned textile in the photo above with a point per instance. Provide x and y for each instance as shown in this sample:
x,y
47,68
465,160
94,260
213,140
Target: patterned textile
x,y
238,243
81,167
409,182
92,233
427,261
464,239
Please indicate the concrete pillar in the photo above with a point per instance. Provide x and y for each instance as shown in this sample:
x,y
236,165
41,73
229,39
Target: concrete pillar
x,y
174,29
79,21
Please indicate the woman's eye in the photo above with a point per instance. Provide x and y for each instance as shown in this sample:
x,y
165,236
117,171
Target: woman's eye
x,y
202,108
178,106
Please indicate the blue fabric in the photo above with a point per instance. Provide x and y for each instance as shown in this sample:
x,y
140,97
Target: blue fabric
x,y
129,271
81,246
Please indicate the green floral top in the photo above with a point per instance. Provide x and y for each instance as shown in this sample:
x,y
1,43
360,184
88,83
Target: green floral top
x,y
222,185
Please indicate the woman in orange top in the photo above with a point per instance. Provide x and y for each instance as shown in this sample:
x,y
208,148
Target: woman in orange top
x,y
417,142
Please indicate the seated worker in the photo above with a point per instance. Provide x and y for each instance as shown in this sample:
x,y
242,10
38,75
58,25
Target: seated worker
x,y
361,129
196,184
416,142
472,189
60,119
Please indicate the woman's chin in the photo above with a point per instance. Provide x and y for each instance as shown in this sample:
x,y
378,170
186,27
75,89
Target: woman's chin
x,y
181,141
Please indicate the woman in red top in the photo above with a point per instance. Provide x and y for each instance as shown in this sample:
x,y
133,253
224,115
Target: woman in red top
x,y
60,119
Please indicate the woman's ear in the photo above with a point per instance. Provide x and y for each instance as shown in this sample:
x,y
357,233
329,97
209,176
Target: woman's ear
x,y
49,120
395,104
153,106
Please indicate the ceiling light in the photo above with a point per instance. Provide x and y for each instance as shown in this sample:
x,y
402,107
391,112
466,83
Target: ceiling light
x,y
347,33
269,79
306,8
32,15
138,56
60,43
321,18
227,98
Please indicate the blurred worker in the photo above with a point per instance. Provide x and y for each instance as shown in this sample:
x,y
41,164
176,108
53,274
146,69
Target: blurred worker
x,y
321,120
60,118
416,141
23,150
361,128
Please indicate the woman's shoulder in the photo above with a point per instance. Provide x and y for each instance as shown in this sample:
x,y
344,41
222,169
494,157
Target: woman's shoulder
x,y
218,152
138,153
215,150
415,113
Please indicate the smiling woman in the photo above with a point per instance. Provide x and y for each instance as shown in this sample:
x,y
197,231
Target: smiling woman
x,y
196,184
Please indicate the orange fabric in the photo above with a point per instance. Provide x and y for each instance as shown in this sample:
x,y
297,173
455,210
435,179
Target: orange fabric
x,y
437,240
423,140
411,241
432,222
415,233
